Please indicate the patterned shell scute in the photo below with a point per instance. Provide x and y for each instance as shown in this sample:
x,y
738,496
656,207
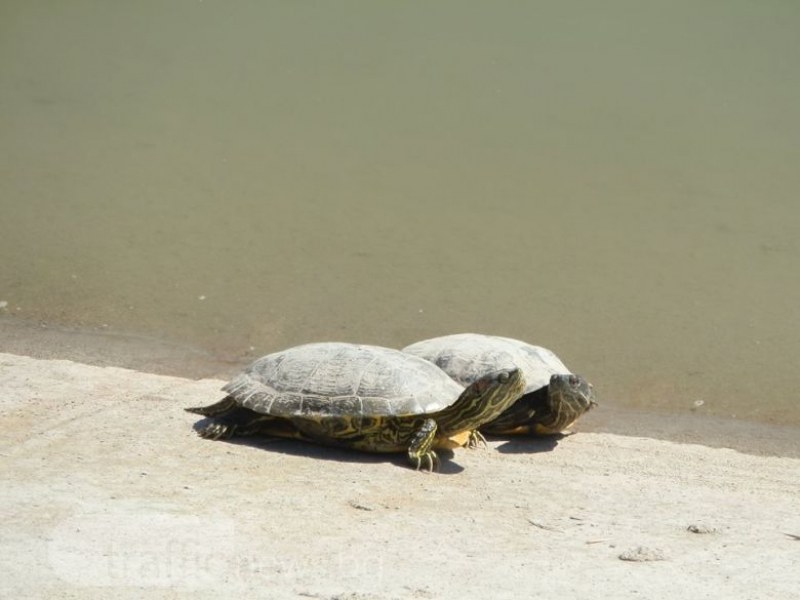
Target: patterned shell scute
x,y
342,380
468,356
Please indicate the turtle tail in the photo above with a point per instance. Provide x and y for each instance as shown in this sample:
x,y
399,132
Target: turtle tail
x,y
225,405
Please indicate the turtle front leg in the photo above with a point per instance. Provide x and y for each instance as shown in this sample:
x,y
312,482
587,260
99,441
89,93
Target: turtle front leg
x,y
420,449
476,440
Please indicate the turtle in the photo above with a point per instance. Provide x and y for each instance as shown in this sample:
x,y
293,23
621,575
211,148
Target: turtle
x,y
359,396
553,400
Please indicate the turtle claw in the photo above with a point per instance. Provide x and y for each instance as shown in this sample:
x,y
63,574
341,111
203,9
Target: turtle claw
x,y
216,431
427,461
476,440
420,450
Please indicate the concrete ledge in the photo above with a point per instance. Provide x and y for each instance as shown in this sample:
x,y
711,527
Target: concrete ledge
x,y
107,492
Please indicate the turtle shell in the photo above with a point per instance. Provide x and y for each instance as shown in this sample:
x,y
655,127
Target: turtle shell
x,y
342,380
468,356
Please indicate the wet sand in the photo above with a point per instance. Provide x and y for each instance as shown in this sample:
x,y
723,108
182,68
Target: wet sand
x,y
107,490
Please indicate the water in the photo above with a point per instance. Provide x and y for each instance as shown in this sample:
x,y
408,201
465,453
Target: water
x,y
617,181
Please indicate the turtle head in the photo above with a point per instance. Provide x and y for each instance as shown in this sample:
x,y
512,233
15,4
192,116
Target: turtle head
x,y
482,401
569,396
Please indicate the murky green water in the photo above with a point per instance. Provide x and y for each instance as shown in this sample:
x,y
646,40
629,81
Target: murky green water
x,y
617,181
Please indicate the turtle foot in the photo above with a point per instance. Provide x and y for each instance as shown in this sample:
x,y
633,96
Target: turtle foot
x,y
420,450
476,440
217,431
428,461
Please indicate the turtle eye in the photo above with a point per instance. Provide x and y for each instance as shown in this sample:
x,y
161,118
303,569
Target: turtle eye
x,y
573,380
503,377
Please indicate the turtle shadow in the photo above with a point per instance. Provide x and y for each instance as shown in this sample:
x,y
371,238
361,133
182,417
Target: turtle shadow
x,y
528,444
300,448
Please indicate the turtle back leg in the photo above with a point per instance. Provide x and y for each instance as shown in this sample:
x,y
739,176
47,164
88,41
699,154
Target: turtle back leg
x,y
229,420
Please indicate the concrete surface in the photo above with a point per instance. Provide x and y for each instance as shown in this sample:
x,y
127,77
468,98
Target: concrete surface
x,y
107,492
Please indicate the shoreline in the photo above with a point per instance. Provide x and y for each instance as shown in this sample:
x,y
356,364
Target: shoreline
x,y
148,355
98,458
